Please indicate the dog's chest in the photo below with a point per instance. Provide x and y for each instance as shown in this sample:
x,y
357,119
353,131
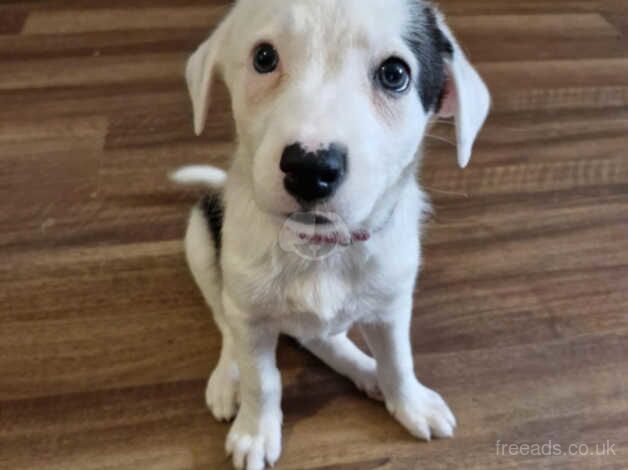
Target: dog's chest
x,y
324,300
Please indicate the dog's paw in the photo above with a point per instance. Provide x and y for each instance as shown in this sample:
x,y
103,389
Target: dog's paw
x,y
423,412
254,443
222,394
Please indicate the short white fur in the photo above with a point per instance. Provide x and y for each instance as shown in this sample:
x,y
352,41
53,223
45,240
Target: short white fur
x,y
323,92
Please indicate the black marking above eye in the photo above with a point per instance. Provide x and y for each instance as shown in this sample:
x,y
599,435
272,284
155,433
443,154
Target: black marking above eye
x,y
394,75
431,48
265,58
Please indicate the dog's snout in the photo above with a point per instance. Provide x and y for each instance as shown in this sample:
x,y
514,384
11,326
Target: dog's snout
x,y
312,176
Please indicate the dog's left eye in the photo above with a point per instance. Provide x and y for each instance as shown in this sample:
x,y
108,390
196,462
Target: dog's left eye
x,y
394,75
265,58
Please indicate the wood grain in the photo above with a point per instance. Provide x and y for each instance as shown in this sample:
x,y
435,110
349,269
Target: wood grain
x,y
521,314
121,19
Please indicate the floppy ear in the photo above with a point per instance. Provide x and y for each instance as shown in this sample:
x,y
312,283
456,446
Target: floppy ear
x,y
199,72
465,97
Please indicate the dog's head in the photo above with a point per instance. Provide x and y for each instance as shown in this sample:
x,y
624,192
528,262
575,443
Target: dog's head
x,y
331,98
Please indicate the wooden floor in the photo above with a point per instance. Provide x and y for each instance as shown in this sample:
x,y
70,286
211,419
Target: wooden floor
x,y
521,316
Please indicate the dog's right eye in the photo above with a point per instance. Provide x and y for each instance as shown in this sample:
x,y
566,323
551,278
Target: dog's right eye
x,y
265,58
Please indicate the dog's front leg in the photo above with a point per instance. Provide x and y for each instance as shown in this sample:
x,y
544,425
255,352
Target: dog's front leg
x,y
420,410
342,355
255,436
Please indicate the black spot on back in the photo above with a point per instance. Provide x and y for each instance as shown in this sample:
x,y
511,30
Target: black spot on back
x,y
213,210
430,47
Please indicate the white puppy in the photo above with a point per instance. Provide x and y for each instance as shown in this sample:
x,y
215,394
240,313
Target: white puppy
x,y
316,228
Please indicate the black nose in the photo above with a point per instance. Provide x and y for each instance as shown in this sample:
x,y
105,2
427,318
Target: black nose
x,y
312,176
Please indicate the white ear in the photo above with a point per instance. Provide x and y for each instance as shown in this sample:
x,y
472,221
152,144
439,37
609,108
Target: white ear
x,y
466,97
199,72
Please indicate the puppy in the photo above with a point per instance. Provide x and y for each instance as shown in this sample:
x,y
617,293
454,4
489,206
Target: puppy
x,y
316,226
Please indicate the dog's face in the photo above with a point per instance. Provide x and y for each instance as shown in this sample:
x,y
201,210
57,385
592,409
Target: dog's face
x,y
331,98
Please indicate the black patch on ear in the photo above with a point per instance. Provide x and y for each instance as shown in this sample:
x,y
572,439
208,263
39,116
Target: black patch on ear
x,y
213,209
431,47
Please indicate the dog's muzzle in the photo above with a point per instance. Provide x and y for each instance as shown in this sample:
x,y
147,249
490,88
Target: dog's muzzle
x,y
313,176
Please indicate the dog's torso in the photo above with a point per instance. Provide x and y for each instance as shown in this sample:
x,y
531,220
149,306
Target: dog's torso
x,y
315,298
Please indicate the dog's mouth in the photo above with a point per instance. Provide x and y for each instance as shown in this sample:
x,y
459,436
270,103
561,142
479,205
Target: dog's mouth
x,y
309,218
